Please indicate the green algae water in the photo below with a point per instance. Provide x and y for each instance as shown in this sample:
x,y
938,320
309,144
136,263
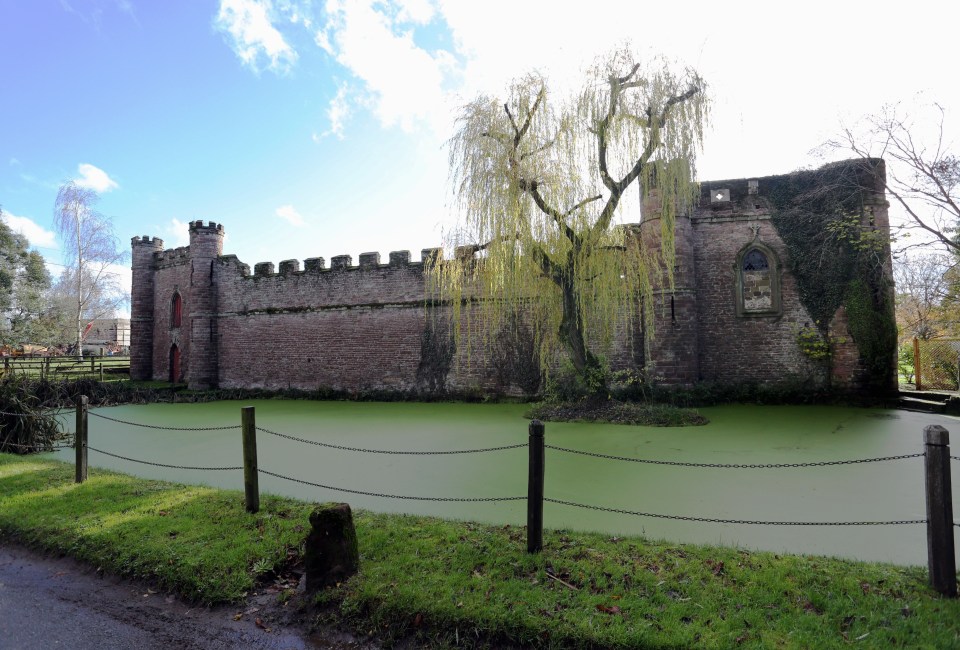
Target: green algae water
x,y
740,434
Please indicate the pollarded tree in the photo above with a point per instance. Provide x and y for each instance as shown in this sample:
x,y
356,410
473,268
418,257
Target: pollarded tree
x,y
90,249
540,179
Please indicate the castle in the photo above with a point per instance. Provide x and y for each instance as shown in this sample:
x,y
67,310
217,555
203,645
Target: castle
x,y
737,311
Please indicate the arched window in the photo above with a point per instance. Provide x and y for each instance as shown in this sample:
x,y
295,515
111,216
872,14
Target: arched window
x,y
758,282
176,310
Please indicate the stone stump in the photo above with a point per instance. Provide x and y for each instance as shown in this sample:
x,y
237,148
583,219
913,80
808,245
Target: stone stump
x,y
331,555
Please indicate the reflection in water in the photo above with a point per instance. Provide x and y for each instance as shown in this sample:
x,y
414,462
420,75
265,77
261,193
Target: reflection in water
x,y
737,434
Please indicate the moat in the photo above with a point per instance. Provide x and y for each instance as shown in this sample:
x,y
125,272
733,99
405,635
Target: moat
x,y
891,490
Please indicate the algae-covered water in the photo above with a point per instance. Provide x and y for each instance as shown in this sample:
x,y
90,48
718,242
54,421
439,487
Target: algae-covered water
x,y
736,434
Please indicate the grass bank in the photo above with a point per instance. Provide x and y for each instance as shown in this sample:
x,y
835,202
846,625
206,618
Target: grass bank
x,y
460,583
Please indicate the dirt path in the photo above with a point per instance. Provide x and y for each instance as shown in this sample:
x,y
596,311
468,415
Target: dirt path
x,y
60,603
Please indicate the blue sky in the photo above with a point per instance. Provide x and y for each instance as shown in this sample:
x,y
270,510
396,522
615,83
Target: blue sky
x,y
314,128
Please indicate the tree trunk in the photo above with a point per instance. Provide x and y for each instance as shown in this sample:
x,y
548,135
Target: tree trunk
x,y
571,333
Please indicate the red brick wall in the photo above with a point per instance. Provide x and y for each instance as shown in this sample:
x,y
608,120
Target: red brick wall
x,y
366,327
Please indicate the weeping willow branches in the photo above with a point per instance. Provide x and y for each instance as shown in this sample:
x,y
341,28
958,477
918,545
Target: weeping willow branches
x,y
540,180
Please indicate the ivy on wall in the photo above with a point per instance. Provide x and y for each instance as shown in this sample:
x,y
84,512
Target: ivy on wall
x,y
839,257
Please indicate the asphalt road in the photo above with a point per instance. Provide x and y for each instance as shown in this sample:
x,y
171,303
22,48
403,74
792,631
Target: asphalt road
x,y
59,603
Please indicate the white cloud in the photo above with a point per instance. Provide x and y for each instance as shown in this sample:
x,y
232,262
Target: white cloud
x,y
376,44
249,26
338,111
178,233
95,179
37,235
290,214
14,162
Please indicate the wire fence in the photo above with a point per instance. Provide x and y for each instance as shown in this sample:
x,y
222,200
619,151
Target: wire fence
x,y
535,496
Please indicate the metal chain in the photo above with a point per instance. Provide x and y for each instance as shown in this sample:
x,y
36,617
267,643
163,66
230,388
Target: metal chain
x,y
146,462
154,426
734,465
712,520
54,447
391,496
29,415
388,451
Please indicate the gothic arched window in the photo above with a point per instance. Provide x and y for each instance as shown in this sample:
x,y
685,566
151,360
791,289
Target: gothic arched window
x,y
758,282
176,310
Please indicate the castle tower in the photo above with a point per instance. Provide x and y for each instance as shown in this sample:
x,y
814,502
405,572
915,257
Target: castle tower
x,y
141,306
672,354
206,245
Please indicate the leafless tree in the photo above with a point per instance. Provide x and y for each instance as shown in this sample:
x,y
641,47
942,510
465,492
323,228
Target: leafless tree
x,y
923,176
924,296
90,249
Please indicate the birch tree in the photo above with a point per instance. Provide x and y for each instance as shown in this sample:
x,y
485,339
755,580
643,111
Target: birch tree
x,y
90,249
539,179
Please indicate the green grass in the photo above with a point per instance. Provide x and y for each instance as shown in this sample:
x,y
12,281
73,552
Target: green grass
x,y
460,583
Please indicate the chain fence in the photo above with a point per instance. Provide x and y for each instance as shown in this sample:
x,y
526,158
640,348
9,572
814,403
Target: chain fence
x,y
752,522
162,428
393,496
147,462
394,452
674,463
34,447
714,520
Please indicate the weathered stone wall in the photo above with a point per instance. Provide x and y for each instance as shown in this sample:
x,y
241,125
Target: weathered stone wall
x,y
370,327
749,346
172,275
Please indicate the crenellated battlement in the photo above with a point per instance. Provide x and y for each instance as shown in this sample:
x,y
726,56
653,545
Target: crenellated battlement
x,y
173,254
370,321
211,226
146,241
338,263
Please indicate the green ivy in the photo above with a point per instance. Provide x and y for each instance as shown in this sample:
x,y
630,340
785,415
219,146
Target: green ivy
x,y
824,218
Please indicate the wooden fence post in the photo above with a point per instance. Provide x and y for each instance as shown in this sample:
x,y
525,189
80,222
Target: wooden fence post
x,y
535,488
941,562
916,364
101,373
80,439
92,368
251,485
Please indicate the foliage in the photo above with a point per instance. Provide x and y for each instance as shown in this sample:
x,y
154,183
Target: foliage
x,y
457,583
26,424
925,295
812,344
90,249
837,252
906,362
539,180
24,281
616,412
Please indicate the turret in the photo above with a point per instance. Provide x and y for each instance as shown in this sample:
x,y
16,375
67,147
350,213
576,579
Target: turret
x,y
206,245
142,306
671,350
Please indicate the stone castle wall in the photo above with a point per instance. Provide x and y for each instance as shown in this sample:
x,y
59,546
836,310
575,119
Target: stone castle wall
x,y
370,327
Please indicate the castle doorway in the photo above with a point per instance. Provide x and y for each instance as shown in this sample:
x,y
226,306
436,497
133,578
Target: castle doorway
x,y
174,364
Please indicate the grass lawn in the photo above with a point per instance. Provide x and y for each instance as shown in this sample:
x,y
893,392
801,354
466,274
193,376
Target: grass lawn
x,y
454,582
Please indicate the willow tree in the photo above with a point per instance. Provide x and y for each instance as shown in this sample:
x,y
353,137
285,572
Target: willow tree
x,y
540,179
